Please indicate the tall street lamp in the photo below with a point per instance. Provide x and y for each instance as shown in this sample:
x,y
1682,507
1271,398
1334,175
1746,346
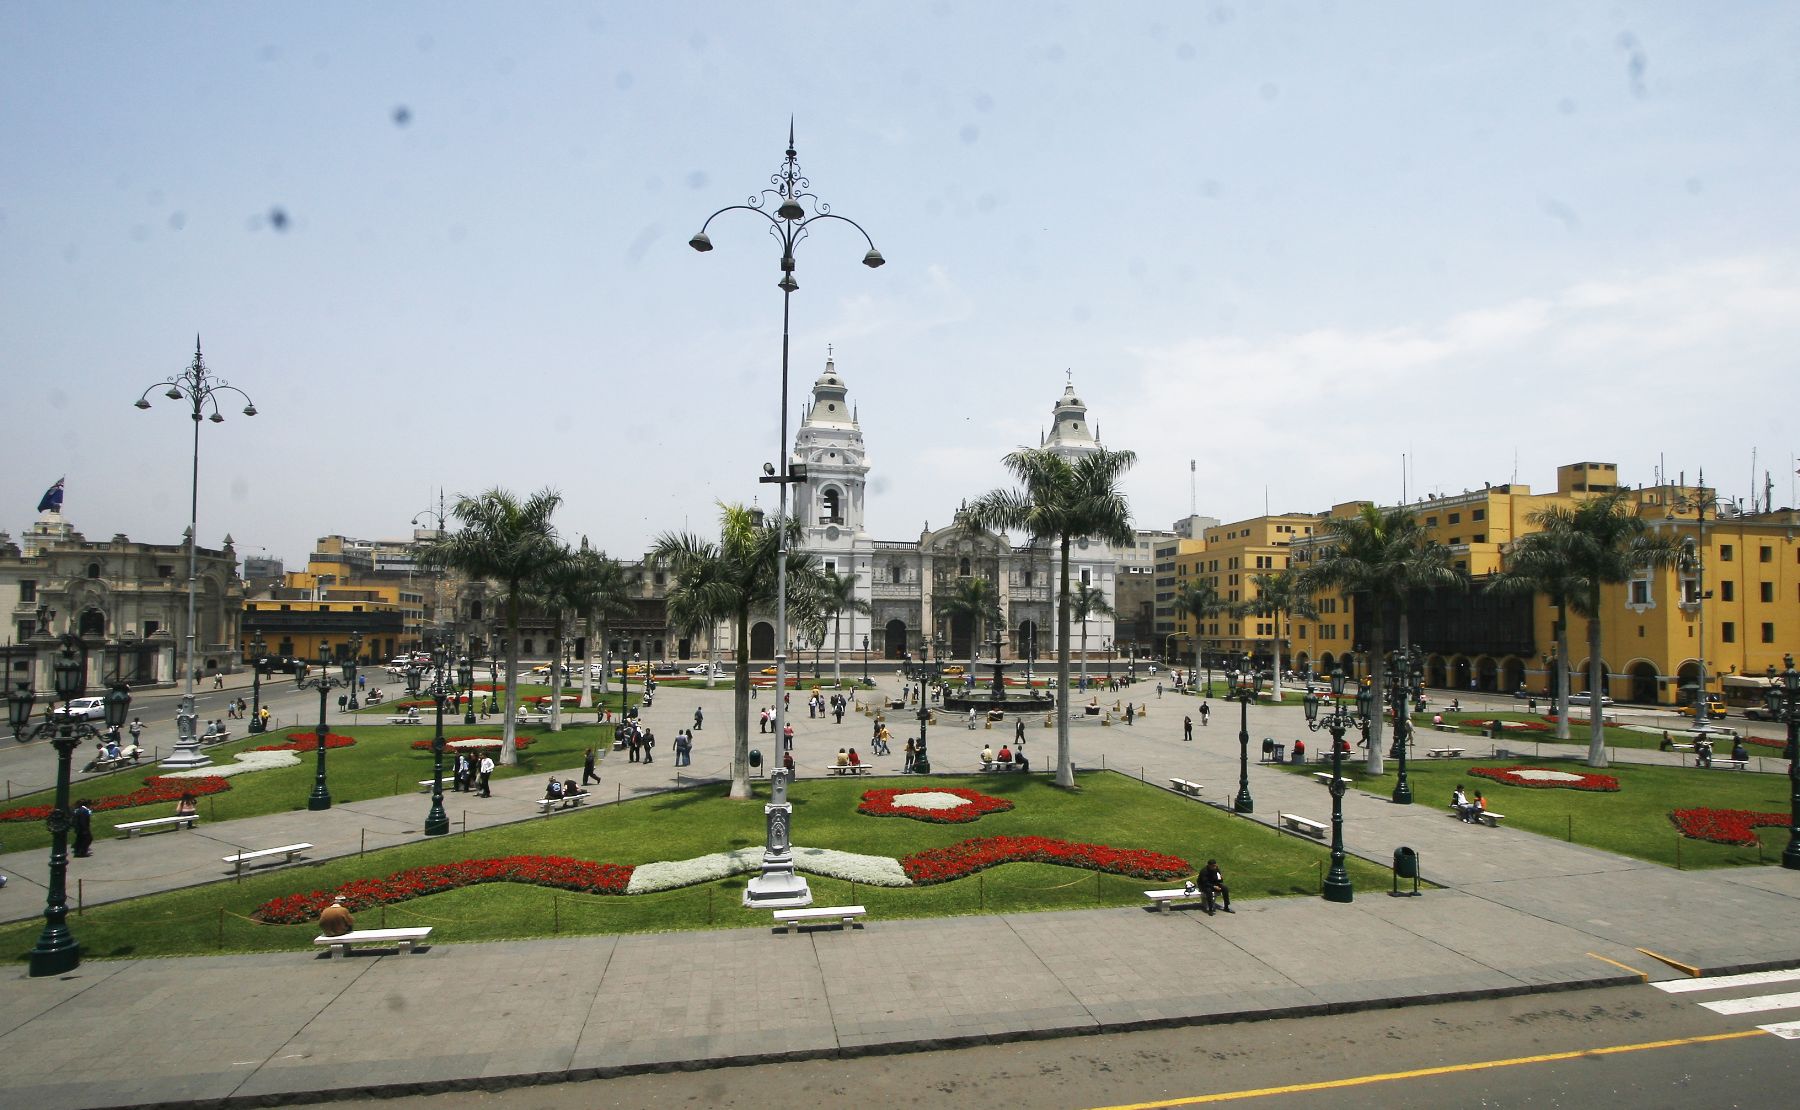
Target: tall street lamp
x,y
200,390
57,950
1339,721
320,798
465,677
437,822
866,681
1243,691
788,225
1698,504
1109,659
1405,684
923,674
1783,698
259,656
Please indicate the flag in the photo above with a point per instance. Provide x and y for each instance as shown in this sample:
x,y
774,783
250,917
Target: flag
x,y
52,499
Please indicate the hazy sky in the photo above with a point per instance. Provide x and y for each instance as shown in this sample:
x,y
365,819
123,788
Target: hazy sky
x,y
444,245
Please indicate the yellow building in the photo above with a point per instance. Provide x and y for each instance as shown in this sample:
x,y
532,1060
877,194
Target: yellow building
x,y
1228,557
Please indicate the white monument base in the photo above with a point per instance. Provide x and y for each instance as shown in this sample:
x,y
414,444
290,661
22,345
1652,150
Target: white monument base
x,y
778,887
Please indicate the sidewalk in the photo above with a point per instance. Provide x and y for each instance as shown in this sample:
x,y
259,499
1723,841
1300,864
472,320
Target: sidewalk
x,y
1518,913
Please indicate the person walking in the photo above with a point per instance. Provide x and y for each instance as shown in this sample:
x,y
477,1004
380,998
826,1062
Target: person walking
x,y
587,768
649,743
787,738
1205,712
699,716
487,768
1019,731
84,829
1129,713
1187,728
137,728
912,752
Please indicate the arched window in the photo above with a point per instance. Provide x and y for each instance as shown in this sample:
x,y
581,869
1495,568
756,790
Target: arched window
x,y
962,568
93,570
831,507
898,570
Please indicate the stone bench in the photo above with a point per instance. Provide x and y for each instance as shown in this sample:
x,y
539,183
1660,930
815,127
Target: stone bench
x,y
241,859
1183,786
845,915
1729,764
132,828
1162,899
1486,817
547,806
1326,777
1301,824
532,719
405,719
400,939
848,768
996,765
1445,726
1444,753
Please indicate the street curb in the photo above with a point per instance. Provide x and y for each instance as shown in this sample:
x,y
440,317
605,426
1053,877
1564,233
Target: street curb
x,y
497,1083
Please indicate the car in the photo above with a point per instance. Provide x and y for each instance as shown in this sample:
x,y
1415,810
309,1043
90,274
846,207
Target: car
x,y
1585,699
703,668
953,670
1715,708
1758,713
82,709
768,670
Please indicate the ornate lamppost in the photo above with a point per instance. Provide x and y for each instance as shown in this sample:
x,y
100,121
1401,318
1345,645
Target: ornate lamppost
x,y
1698,503
200,390
1339,721
57,950
789,225
320,798
465,677
866,681
1405,684
259,660
1783,699
1244,690
1109,659
437,822
923,674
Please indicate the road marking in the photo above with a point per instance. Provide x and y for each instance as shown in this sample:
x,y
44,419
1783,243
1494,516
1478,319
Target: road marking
x,y
1786,1030
1676,964
1644,975
1754,1005
1423,1073
1720,982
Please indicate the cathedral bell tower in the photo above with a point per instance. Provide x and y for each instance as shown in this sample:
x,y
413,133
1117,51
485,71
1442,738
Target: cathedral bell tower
x,y
831,504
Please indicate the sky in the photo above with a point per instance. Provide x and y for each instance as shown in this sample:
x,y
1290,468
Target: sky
x,y
1320,252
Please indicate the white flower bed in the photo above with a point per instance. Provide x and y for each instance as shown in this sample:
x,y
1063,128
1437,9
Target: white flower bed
x,y
246,763
1533,774
670,874
929,799
481,742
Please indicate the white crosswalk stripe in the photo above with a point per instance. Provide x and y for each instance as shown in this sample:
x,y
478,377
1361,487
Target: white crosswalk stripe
x,y
1747,1003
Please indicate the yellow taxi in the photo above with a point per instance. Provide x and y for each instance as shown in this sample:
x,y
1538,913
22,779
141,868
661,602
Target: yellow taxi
x,y
1715,708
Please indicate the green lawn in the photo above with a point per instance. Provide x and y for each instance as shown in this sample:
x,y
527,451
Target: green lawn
x,y
1633,822
1109,809
381,762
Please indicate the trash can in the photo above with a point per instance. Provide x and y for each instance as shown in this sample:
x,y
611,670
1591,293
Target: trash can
x,y
755,758
1406,863
1280,753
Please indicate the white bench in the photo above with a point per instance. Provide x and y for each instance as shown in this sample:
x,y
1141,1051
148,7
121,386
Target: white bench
x,y
1729,764
1161,898
132,828
1444,753
402,939
1486,817
1444,726
1301,824
289,850
996,765
532,718
849,769
404,719
1326,777
793,919
547,806
1183,786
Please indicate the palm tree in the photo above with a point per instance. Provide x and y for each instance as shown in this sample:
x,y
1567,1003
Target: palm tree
x,y
1058,500
1378,557
598,592
1278,595
1086,603
978,601
1607,544
727,581
510,541
837,598
549,591
1543,562
1199,600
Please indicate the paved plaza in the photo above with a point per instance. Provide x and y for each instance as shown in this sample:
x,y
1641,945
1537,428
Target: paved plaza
x,y
1517,913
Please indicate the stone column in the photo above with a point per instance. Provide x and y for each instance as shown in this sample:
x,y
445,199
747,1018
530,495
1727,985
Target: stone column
x,y
778,886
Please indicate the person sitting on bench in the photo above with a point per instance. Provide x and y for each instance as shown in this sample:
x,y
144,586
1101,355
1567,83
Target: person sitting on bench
x,y
987,755
187,806
554,790
1005,754
569,790
1477,807
1212,886
1020,763
335,919
843,759
855,760
1459,801
1703,752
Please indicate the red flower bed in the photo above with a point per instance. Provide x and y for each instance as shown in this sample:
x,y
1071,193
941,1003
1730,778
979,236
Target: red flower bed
x,y
560,872
956,861
1766,742
1579,780
306,742
155,789
1505,726
520,743
880,803
1725,826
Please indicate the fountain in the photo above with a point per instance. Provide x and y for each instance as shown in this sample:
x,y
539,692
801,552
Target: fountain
x,y
996,697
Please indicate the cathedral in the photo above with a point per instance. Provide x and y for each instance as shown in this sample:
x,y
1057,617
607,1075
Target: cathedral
x,y
904,583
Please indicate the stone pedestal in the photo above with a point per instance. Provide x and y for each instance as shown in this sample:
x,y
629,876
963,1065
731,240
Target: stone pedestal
x,y
778,887
187,752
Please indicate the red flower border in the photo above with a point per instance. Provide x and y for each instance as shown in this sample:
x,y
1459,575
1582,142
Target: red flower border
x,y
1600,784
1505,725
156,789
520,743
965,858
559,872
307,742
1724,826
880,803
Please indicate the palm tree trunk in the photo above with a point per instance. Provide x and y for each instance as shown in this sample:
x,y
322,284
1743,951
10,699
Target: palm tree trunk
x,y
1559,690
1084,655
1065,770
740,713
1378,681
1596,691
1199,655
587,662
1278,657
556,653
509,751
837,642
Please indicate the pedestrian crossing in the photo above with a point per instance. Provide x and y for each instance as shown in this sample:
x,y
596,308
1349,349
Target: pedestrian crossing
x,y
1747,1003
